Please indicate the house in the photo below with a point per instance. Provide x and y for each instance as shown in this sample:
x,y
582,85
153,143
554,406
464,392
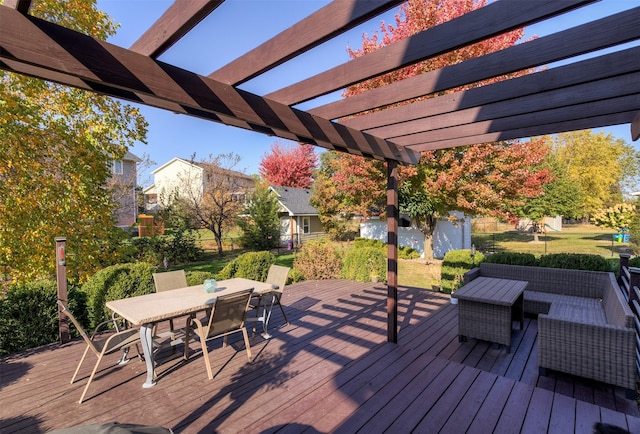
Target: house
x,y
124,176
179,176
299,220
449,234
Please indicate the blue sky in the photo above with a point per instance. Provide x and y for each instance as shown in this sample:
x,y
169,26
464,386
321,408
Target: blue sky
x,y
222,37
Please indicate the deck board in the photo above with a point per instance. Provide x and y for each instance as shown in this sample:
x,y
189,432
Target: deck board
x,y
329,370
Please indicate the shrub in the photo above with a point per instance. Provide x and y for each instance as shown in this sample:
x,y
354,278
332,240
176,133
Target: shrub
x,y
454,265
116,282
250,265
407,253
179,248
512,258
29,315
359,243
295,276
319,259
362,263
198,277
577,261
634,262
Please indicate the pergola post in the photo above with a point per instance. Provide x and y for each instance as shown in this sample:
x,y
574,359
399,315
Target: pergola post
x,y
392,251
61,279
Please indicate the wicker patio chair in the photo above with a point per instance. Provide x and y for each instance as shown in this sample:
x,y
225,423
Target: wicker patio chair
x,y
100,346
227,316
277,277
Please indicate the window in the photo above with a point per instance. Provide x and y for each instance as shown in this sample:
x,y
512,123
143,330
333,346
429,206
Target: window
x,y
306,225
117,167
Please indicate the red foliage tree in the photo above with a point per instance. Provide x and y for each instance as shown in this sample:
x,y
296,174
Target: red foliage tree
x,y
289,167
489,179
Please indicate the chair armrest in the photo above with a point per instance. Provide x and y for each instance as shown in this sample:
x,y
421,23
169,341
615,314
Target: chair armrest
x,y
471,274
114,320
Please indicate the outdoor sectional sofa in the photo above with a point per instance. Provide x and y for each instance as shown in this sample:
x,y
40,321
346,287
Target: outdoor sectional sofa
x,y
585,327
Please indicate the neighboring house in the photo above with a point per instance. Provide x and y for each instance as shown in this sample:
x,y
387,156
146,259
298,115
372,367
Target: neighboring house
x,y
299,220
447,236
171,177
124,176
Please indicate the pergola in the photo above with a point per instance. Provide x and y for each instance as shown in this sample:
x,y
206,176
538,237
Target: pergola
x,y
601,91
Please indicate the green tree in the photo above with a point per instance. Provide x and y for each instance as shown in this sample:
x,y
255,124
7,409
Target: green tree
x,y
261,224
602,166
57,145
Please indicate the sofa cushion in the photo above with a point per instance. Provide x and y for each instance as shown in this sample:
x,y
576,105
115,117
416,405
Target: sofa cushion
x,y
537,302
578,313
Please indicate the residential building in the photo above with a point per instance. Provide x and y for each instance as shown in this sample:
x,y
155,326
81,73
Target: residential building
x,y
299,220
124,176
181,177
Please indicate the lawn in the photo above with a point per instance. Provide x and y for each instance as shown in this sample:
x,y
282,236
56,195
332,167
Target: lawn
x,y
581,238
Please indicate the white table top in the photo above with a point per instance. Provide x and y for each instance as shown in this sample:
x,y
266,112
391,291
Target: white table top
x,y
151,308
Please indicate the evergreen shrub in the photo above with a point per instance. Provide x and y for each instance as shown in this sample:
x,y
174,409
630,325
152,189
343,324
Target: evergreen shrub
x,y
250,265
576,261
363,263
512,258
198,277
454,265
113,283
29,315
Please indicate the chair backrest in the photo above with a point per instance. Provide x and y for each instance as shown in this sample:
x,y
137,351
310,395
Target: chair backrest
x,y
75,322
170,280
229,312
278,276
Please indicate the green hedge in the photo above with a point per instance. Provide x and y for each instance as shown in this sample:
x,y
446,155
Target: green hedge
x,y
116,282
198,277
454,265
362,263
251,265
512,258
575,261
29,315
634,262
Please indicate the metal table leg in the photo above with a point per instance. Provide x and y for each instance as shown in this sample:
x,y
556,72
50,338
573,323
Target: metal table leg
x,y
146,340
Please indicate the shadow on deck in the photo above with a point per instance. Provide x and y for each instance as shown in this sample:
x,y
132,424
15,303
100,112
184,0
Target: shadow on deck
x,y
330,370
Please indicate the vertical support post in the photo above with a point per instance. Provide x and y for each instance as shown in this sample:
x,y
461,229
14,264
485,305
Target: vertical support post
x,y
61,277
392,251
634,280
624,263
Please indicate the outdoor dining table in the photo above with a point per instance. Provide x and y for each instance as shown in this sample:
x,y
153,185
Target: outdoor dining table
x,y
147,310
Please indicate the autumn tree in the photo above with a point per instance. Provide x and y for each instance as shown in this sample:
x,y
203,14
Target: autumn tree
x,y
289,167
260,223
602,166
212,194
56,148
489,179
617,217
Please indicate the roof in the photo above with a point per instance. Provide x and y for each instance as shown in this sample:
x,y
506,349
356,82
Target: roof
x,y
598,91
130,156
295,200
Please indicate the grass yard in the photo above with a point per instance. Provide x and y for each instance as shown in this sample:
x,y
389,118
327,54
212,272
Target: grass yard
x,y
582,238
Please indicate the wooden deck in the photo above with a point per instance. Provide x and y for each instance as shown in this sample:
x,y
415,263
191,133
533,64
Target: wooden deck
x,y
330,370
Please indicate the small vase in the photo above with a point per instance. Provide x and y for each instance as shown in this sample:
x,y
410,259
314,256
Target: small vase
x,y
454,300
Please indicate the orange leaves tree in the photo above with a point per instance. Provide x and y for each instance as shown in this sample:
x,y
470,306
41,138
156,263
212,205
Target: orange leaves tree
x,y
289,167
56,149
491,179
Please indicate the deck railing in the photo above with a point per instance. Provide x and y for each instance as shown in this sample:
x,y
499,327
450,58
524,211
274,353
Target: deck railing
x,y
629,280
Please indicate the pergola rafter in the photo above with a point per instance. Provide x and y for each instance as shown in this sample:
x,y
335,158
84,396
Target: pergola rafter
x,y
601,91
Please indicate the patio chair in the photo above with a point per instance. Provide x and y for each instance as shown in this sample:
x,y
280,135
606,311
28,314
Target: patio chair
x,y
167,281
277,277
227,316
100,346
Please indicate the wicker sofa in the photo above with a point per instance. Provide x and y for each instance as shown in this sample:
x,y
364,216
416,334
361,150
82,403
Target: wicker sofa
x,y
585,327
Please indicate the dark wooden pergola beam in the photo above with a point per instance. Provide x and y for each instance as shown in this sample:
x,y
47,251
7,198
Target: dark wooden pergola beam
x,y
182,16
332,20
480,24
570,98
635,127
527,120
583,123
555,79
597,35
113,70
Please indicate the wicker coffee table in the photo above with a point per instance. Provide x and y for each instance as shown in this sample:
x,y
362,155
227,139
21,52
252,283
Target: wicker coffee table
x,y
487,307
